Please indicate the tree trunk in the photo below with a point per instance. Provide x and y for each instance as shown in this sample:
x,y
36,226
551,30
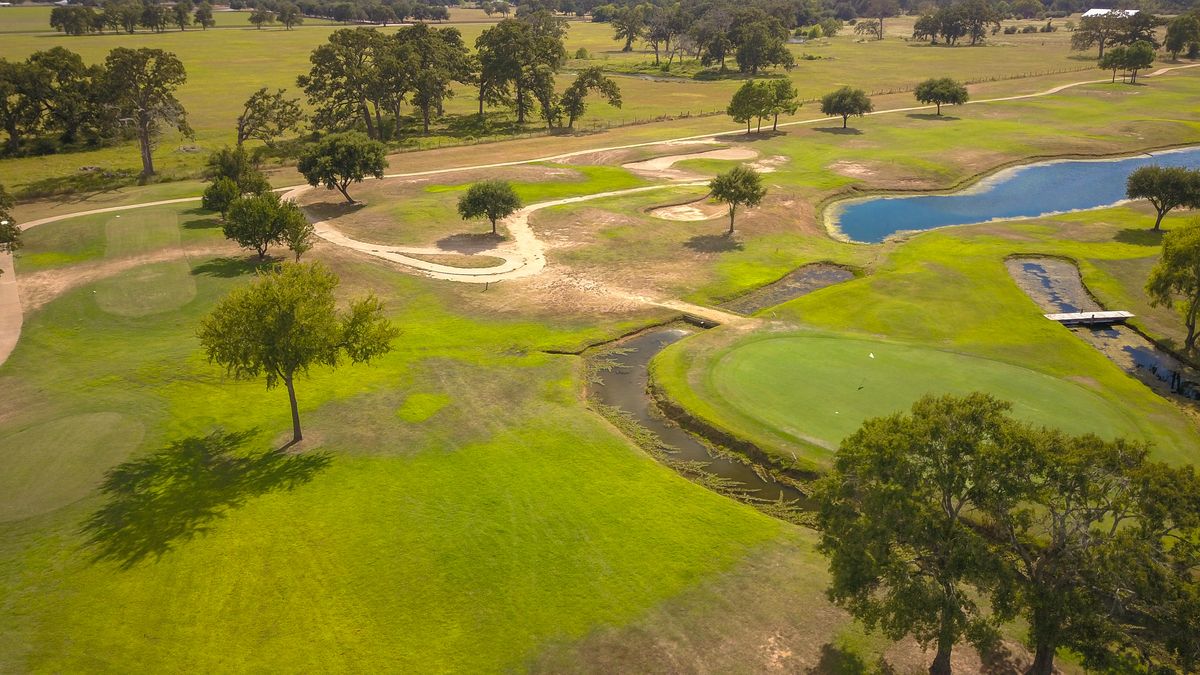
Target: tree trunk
x,y
845,119
775,124
481,86
342,189
1158,220
1043,661
493,225
520,102
732,209
1189,343
941,662
147,158
366,115
939,106
425,119
296,435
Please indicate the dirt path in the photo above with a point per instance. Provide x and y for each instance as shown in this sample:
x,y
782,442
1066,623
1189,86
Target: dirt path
x,y
663,167
527,253
524,255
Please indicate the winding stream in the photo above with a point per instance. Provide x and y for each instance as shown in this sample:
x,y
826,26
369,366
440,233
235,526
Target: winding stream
x,y
1028,191
1055,285
624,387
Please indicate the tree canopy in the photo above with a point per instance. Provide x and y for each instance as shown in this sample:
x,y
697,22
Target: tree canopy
x,y
740,186
1175,279
341,159
142,83
941,91
1166,188
259,220
285,322
845,102
945,522
491,199
10,232
267,115
893,517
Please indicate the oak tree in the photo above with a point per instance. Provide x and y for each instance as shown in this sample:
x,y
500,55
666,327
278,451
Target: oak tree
x,y
341,159
286,322
142,84
941,91
845,102
740,186
1166,188
1175,279
491,199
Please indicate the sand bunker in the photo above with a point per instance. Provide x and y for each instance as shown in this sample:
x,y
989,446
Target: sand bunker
x,y
663,167
692,211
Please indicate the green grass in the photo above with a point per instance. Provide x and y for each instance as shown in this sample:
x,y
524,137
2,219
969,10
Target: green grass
x,y
819,389
214,93
947,290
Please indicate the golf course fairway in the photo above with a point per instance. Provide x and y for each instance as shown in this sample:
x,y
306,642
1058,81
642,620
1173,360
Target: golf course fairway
x,y
819,389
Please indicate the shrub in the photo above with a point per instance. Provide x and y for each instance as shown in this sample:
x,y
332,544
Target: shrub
x,y
581,53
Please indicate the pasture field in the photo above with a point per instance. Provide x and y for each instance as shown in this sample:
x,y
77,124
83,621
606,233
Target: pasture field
x,y
215,92
457,505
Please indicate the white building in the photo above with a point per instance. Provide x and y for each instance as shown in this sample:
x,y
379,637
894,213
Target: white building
x,y
1126,13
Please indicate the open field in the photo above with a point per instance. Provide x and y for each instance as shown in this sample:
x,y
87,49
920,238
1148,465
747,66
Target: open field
x,y
214,94
456,505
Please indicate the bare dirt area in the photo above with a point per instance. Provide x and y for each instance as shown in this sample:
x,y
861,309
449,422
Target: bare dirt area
x,y
429,213
701,209
663,168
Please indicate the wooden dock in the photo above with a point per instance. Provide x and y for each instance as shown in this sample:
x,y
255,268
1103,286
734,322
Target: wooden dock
x,y
1090,318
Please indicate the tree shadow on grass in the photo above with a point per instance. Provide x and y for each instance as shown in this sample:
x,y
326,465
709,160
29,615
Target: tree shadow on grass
x,y
932,117
163,499
470,242
229,268
839,131
713,243
834,659
1140,237
202,224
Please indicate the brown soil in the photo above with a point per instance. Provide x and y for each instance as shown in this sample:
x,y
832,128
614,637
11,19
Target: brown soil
x,y
459,259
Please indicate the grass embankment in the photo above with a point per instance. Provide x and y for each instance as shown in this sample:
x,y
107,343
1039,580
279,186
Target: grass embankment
x,y
214,93
954,321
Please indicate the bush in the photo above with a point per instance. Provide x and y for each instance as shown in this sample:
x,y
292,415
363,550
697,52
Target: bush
x,y
1029,29
581,53
1048,28
830,26
1009,30
1193,50
815,32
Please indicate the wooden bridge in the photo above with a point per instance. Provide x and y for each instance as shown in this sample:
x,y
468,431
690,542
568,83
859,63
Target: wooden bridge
x,y
1090,318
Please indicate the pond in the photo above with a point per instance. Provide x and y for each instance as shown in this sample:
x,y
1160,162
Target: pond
x,y
1026,191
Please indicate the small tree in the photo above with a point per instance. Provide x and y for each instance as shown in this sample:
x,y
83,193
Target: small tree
x,y
204,16
941,91
1114,59
573,103
237,165
1165,188
260,16
845,102
1182,31
257,221
341,159
182,13
219,195
286,322
10,232
290,15
1139,56
298,233
785,99
892,516
267,115
491,199
752,100
1175,280
736,187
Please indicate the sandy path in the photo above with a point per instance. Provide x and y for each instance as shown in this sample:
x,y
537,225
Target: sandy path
x,y
524,255
526,245
663,167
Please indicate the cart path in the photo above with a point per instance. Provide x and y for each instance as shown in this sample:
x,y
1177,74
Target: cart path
x,y
525,246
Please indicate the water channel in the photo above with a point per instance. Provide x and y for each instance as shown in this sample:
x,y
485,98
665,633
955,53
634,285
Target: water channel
x,y
1055,285
1027,191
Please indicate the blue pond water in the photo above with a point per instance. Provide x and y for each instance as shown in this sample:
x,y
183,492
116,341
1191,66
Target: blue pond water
x,y
1021,192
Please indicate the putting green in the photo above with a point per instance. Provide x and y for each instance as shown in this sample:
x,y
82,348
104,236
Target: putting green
x,y
820,389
